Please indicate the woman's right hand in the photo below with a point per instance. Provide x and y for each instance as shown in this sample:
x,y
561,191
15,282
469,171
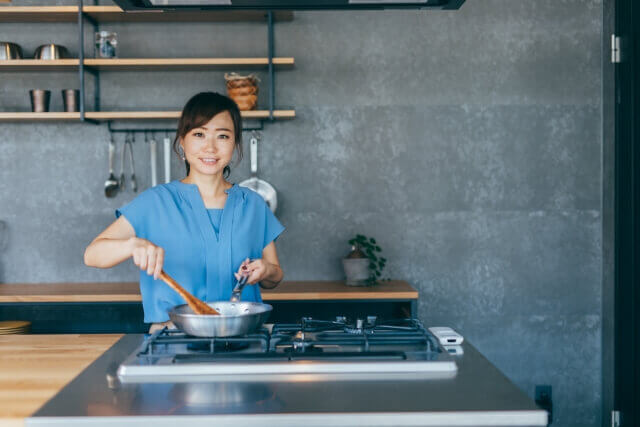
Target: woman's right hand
x,y
147,256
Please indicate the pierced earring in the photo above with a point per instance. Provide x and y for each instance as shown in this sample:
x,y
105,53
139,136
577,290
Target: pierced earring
x,y
181,152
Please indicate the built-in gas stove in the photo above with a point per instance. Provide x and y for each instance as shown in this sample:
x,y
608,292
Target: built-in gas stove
x,y
309,350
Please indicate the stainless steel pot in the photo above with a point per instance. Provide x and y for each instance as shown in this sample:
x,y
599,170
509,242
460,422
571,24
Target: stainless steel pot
x,y
51,51
236,318
10,50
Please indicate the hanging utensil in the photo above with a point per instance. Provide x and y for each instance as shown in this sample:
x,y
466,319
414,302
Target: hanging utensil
x,y
134,183
167,159
198,306
263,188
124,146
3,235
111,184
154,161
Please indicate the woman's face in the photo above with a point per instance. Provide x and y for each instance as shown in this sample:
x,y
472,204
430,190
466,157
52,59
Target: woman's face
x,y
209,148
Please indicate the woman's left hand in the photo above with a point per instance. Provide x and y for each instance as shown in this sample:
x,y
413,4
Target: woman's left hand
x,y
256,269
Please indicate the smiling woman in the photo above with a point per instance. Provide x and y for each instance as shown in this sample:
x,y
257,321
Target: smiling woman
x,y
187,227
214,115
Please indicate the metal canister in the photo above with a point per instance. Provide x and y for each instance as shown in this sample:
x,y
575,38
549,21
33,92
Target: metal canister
x,y
70,99
39,100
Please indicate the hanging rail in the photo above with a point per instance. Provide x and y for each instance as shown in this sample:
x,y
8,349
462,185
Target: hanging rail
x,y
170,130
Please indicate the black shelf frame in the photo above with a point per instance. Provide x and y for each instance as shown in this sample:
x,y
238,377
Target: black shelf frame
x,y
81,68
82,16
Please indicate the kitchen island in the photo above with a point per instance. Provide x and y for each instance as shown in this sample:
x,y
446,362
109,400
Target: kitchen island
x,y
478,395
33,368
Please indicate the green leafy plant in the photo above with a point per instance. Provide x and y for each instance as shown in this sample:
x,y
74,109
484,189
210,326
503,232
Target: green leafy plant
x,y
366,247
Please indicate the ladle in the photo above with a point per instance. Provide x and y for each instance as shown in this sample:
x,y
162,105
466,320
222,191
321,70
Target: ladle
x,y
198,306
111,185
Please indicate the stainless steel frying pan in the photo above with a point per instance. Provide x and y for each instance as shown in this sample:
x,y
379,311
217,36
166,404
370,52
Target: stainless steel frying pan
x,y
263,188
235,318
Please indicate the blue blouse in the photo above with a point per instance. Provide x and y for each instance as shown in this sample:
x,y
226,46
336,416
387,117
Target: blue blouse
x,y
174,217
215,215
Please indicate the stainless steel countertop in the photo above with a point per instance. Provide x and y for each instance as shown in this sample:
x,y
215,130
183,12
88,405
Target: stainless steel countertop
x,y
478,395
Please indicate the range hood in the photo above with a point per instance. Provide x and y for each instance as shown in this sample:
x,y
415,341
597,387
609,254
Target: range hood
x,y
176,5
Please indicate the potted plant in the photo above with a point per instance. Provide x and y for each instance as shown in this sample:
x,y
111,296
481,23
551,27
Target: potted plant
x,y
362,266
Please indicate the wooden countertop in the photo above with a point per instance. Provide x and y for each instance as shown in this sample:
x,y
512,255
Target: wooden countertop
x,y
28,378
129,292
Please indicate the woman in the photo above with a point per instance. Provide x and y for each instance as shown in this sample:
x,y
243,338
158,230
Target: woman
x,y
199,229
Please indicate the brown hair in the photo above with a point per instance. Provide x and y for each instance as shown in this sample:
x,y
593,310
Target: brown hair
x,y
201,108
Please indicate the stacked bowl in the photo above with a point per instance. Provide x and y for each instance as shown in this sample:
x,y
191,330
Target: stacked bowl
x,y
13,327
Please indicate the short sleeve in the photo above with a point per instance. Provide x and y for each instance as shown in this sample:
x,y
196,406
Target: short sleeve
x,y
272,227
137,211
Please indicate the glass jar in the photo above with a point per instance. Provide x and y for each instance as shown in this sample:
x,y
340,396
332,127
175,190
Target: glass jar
x,y
106,43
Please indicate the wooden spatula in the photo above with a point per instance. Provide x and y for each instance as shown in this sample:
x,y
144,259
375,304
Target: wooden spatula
x,y
198,306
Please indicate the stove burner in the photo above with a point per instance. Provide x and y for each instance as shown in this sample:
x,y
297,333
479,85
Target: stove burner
x,y
219,346
302,347
357,329
299,343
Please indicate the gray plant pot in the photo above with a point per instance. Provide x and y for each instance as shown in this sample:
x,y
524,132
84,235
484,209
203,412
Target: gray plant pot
x,y
356,270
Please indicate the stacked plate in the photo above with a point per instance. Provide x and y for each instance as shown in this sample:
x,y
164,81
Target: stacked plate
x,y
11,327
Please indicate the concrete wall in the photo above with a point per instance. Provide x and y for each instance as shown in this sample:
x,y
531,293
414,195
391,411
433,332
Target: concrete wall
x,y
469,143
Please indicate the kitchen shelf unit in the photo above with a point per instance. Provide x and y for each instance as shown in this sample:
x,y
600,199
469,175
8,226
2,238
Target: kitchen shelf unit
x,y
99,14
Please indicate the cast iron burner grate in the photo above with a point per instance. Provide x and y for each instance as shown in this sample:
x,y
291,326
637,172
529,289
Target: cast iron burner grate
x,y
167,341
310,334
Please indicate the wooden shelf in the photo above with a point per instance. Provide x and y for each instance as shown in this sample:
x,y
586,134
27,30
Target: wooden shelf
x,y
115,14
39,65
170,115
29,116
130,115
183,64
141,64
38,14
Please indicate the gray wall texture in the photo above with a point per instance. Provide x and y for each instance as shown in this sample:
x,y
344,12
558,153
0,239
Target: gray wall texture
x,y
469,143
